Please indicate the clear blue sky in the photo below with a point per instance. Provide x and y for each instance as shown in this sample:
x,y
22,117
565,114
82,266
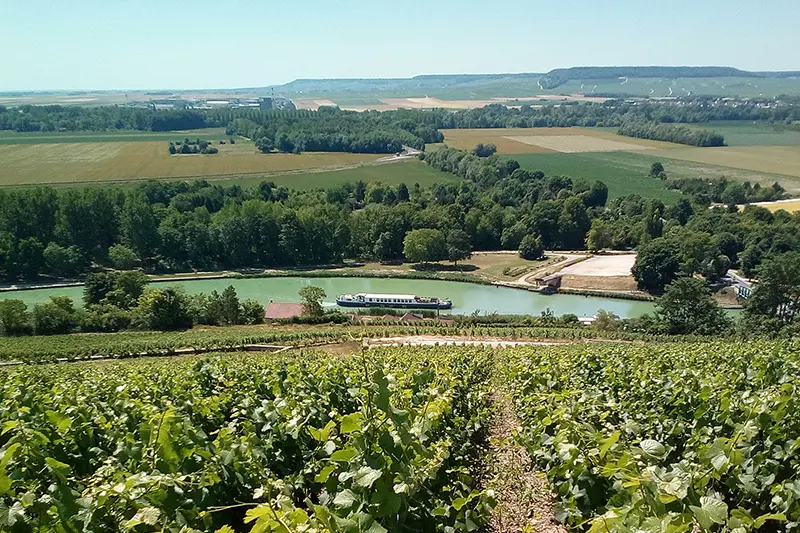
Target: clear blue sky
x,y
146,44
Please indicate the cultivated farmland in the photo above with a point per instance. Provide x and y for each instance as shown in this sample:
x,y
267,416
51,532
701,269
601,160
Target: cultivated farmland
x,y
88,162
543,140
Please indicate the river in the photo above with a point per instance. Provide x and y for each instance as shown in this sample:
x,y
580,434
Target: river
x,y
467,298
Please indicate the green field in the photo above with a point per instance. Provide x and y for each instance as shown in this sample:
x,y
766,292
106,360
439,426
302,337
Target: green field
x,y
626,172
746,133
49,137
623,172
408,172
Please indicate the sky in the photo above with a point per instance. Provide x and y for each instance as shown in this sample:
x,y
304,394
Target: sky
x,y
194,44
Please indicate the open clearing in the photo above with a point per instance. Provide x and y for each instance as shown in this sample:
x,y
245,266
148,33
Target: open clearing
x,y
602,265
544,140
95,162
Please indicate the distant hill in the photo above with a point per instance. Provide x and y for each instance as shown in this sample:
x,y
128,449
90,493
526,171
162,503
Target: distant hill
x,y
620,81
399,86
560,76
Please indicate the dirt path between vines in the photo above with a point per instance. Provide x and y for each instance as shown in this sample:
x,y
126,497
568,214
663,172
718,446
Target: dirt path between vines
x,y
524,501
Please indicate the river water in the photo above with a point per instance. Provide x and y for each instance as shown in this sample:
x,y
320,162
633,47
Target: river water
x,y
467,298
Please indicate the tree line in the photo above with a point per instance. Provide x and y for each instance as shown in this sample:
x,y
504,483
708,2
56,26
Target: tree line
x,y
670,133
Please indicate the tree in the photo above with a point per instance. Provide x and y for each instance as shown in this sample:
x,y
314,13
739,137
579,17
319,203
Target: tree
x,y
14,317
776,296
531,248
600,236
656,265
424,245
128,287
657,170
458,246
28,258
284,143
54,317
265,145
312,300
682,211
687,308
402,193
139,226
384,247
122,257
63,262
96,286
484,150
163,310
597,195
172,149
230,309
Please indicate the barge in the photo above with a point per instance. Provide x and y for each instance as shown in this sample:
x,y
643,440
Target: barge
x,y
393,301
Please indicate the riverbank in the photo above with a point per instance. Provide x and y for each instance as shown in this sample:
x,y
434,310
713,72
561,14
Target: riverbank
x,y
499,268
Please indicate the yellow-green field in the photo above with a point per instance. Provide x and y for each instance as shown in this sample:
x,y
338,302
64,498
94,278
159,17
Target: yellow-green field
x,y
783,160
61,163
546,140
623,162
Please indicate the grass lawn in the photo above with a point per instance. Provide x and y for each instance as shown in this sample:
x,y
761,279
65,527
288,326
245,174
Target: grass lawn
x,y
487,266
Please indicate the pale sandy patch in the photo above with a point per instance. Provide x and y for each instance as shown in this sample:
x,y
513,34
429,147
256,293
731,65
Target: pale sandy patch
x,y
312,103
576,143
792,205
602,265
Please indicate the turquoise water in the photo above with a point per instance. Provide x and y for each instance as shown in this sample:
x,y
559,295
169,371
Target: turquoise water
x,y
467,298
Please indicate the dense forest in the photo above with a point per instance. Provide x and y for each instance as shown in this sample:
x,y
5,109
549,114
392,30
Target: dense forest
x,y
332,130
671,133
332,127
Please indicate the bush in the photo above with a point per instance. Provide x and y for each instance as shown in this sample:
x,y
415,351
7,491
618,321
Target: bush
x,y
105,319
57,316
14,317
252,312
163,309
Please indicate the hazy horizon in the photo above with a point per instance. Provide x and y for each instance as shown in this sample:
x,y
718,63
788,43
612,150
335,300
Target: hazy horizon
x,y
97,45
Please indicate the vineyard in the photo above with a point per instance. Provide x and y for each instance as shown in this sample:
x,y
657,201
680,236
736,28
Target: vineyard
x,y
656,437
61,348
296,443
664,437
